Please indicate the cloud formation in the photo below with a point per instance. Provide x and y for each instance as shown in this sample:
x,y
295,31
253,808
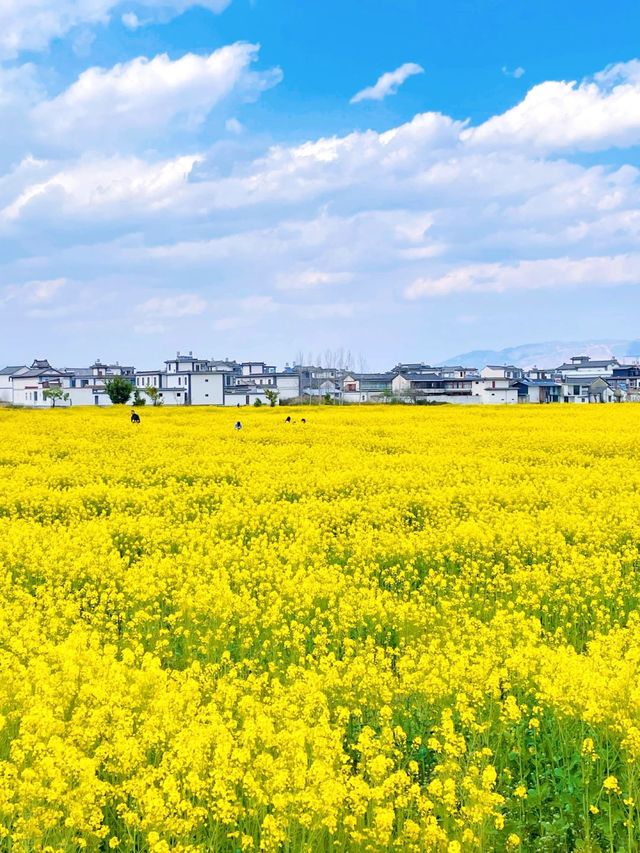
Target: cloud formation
x,y
532,275
347,234
593,115
388,83
516,73
135,100
33,25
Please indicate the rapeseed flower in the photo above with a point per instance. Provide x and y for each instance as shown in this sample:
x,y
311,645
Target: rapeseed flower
x,y
354,639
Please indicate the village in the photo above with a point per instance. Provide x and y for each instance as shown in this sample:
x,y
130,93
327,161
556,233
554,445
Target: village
x,y
187,380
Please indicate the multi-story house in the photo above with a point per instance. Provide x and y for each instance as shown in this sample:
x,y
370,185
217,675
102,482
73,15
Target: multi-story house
x,y
414,386
581,366
458,380
538,390
26,386
626,378
367,387
188,380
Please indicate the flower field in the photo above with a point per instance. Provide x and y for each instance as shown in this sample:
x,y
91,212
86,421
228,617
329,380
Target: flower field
x,y
389,628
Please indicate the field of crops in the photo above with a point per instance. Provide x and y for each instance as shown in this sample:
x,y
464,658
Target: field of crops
x,y
389,628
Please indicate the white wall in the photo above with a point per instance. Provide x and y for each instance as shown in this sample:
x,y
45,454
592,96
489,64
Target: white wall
x,y
494,396
288,386
207,389
86,397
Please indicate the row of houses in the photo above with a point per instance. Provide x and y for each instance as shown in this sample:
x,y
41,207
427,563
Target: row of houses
x,y
184,380
188,380
581,380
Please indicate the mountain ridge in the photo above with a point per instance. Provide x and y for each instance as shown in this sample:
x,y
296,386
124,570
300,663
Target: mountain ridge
x,y
548,354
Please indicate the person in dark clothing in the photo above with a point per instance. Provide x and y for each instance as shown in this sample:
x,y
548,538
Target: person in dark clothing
x,y
237,425
303,421
135,418
287,420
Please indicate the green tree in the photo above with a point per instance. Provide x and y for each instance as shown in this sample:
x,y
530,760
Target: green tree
x,y
138,399
118,390
257,402
54,394
272,396
154,395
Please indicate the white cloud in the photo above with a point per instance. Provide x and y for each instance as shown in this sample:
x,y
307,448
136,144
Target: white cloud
x,y
338,227
309,279
106,187
137,99
33,24
19,86
33,292
516,73
183,305
131,21
233,126
531,275
43,291
593,115
388,84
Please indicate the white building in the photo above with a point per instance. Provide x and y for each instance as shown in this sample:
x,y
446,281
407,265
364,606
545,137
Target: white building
x,y
581,366
26,386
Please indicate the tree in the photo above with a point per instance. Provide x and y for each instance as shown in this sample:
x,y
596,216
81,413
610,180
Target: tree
x,y
257,402
154,395
272,396
118,390
54,394
138,399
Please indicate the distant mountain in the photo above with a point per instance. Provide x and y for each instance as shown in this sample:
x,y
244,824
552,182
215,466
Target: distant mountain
x,y
549,354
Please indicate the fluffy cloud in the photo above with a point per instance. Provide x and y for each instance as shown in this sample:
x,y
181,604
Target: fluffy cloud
x,y
531,275
135,100
33,24
341,237
104,187
388,83
516,73
593,115
310,279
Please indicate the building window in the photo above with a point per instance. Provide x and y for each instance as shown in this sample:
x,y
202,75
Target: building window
x,y
178,394
576,390
35,396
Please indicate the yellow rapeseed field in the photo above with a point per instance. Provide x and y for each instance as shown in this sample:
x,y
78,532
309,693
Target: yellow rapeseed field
x,y
389,628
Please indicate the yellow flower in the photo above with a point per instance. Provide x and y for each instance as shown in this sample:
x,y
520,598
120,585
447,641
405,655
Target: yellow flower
x,y
611,785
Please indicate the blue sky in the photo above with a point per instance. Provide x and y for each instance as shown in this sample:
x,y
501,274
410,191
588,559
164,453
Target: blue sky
x,y
261,178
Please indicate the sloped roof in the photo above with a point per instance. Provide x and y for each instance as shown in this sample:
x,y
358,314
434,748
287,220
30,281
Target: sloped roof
x,y
8,371
422,377
373,377
582,364
503,367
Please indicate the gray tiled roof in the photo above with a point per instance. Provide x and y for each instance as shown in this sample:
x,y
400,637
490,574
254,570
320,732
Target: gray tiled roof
x,y
8,371
422,377
503,367
588,364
